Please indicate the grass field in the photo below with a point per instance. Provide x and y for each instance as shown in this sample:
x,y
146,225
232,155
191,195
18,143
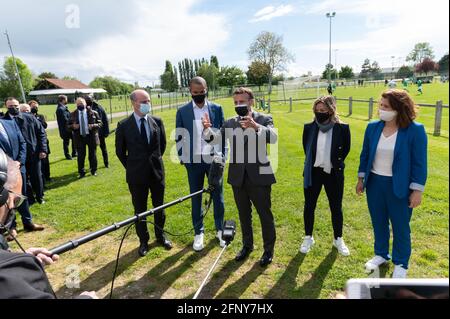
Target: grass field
x,y
75,207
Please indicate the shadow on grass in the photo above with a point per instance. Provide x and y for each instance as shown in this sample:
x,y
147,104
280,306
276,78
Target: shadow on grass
x,y
286,286
218,279
103,276
235,290
61,181
159,279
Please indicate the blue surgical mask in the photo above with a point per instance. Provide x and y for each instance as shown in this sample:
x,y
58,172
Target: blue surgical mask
x,y
145,108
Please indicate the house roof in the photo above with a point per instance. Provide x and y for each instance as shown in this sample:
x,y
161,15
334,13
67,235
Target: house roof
x,y
65,91
67,84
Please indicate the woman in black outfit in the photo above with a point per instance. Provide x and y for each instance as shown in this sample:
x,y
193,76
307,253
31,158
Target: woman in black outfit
x,y
326,142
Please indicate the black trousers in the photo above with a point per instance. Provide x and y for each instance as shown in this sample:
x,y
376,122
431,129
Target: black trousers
x,y
260,197
66,142
334,188
104,150
89,142
139,197
33,168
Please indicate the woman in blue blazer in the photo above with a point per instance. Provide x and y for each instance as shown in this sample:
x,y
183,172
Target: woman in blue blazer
x,y
393,170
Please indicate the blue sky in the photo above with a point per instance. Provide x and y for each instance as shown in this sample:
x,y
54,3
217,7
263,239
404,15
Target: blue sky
x,y
131,39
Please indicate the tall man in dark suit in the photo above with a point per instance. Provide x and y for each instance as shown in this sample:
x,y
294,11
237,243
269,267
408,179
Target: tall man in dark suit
x,y
196,155
24,141
45,163
140,145
84,124
63,116
250,172
103,132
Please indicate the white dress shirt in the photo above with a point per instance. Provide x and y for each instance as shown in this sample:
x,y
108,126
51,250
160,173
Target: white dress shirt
x,y
321,160
200,145
384,157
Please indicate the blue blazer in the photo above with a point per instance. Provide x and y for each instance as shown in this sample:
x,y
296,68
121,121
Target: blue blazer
x,y
16,149
409,169
185,120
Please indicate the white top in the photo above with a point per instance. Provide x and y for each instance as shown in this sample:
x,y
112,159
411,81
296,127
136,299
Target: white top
x,y
384,157
82,116
321,159
200,145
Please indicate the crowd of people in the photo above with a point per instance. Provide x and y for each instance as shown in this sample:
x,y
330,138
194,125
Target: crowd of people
x,y
392,170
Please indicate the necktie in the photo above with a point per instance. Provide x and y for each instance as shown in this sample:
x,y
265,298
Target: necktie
x,y
143,131
83,125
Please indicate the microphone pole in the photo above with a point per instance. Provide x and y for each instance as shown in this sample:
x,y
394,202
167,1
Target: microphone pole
x,y
72,244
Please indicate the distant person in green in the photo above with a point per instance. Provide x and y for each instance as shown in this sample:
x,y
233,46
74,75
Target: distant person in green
x,y
420,86
405,85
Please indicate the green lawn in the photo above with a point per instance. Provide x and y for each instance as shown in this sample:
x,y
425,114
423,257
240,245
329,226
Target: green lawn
x,y
75,207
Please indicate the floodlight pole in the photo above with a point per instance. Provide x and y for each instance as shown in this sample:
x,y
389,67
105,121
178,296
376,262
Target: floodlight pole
x,y
17,69
330,15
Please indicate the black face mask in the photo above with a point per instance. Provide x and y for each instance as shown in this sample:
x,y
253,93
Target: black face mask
x,y
199,99
13,111
322,117
34,111
241,110
80,107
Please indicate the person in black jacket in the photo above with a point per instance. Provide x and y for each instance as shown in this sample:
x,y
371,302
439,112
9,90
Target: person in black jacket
x,y
103,132
140,145
45,163
63,117
326,143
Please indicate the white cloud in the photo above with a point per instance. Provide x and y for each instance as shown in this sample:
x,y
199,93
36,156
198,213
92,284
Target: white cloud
x,y
154,31
270,12
391,28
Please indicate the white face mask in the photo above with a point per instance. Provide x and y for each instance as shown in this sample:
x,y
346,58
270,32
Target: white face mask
x,y
387,116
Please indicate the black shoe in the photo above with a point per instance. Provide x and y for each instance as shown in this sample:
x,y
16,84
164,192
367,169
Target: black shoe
x,y
74,155
106,165
167,244
243,254
81,175
68,157
143,249
266,259
41,201
94,173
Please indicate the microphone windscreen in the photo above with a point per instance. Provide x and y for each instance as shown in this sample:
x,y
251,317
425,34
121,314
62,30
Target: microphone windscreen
x,y
216,172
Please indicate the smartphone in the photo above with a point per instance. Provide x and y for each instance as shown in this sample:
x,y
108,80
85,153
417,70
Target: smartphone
x,y
384,288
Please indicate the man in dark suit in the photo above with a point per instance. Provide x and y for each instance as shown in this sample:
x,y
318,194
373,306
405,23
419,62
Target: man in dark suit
x,y
24,141
196,155
140,145
63,116
45,163
103,132
84,124
34,134
250,172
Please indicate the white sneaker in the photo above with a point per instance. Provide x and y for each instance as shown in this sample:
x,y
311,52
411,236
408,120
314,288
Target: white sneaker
x,y
307,244
198,242
399,272
341,247
222,242
375,263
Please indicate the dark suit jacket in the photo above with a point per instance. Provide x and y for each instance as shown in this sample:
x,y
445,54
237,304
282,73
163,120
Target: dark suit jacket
x,y
23,277
16,149
63,117
104,130
93,118
340,147
41,118
142,161
33,132
185,120
258,168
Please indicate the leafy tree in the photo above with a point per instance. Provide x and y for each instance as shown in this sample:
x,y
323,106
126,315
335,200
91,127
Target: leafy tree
x,y
443,64
112,85
169,80
421,51
230,76
365,69
427,65
346,72
215,61
47,75
9,82
329,69
258,73
210,73
268,48
405,72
